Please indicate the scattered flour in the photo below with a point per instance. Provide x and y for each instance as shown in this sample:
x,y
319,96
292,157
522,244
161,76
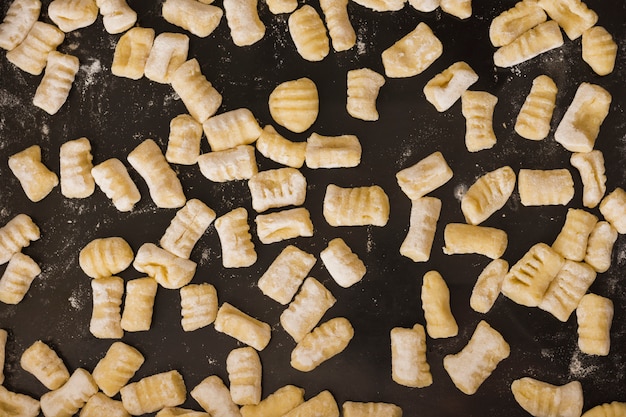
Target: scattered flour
x,y
578,368
459,191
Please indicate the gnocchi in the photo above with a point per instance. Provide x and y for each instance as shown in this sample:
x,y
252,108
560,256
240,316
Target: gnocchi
x,y
231,129
214,397
152,393
487,195
75,160
340,29
117,367
572,15
277,188
323,404
533,120
106,319
70,15
309,33
446,88
241,326
413,53
590,165
469,368
104,257
325,341
512,23
567,289
18,404
244,373
571,242
186,228
277,404
282,279
440,322
18,21
600,246
197,93
16,234
466,238
113,179
357,206
488,285
100,403
542,38
545,187
599,50
71,397
238,163
295,104
283,225
343,265
543,399
613,207
425,176
194,16
418,243
477,108
56,83
17,278
594,314
243,21
183,145
363,87
168,270
163,183
168,52
34,177
332,151
31,55
44,364
132,52
198,306
409,366
117,16
234,234
139,304
274,146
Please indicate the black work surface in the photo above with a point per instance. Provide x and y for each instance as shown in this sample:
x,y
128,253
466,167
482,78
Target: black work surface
x,y
116,114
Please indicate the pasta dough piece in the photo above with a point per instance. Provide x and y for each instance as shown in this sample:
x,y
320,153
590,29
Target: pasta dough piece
x,y
186,228
542,38
56,83
117,16
340,29
418,242
469,368
465,238
241,326
17,278
34,177
131,53
413,53
45,365
307,309
183,146
426,6
342,264
487,195
488,285
14,404
117,367
215,398
512,23
459,8
169,51
478,108
243,21
358,206
244,373
198,306
113,179
167,269
590,165
31,55
533,120
231,129
18,21
529,279
599,50
75,160
154,392
542,399
409,366
545,187
332,151
594,314
382,5
358,409
580,125
571,242
105,317
282,6
71,397
139,304
614,409
3,344
277,188
238,163
322,405
70,15
234,234
425,176
282,279
295,104
163,184
309,34
567,289
199,96
104,257
15,235
613,208
100,404
363,87
446,88
325,341
600,246
440,322
194,16
283,225
277,404
274,146
572,15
